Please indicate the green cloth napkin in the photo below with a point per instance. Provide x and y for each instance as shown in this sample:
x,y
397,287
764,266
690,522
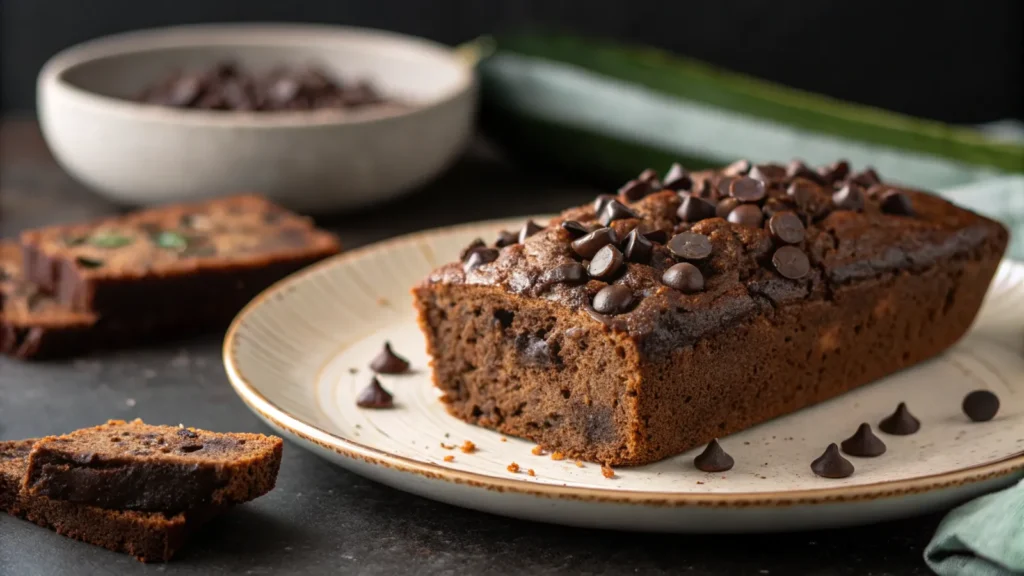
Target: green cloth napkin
x,y
984,537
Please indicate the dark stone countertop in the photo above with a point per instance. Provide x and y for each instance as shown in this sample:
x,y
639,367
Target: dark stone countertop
x,y
321,519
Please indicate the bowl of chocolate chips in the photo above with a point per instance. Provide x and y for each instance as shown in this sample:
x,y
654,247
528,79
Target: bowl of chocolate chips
x,y
317,118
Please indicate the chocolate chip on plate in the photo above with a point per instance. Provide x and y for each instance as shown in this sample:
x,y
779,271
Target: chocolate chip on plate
x,y
375,396
387,362
638,248
613,299
746,215
737,168
677,178
725,206
791,262
615,210
575,229
695,209
831,464
588,245
981,405
897,203
864,443
900,423
606,262
601,201
476,244
690,246
849,197
571,273
787,227
684,277
479,257
506,238
713,459
529,229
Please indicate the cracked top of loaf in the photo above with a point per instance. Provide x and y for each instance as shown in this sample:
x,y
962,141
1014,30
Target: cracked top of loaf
x,y
670,258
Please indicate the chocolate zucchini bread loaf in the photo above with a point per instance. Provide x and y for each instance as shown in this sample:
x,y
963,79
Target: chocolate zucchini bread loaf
x,y
31,322
136,466
149,536
686,309
179,267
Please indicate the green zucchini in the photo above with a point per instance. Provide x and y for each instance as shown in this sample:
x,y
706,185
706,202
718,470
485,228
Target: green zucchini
x,y
613,110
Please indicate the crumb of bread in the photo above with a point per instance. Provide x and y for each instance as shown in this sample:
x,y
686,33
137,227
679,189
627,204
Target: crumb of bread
x,y
557,456
503,439
699,482
447,446
513,468
579,464
468,447
607,471
530,472
449,458
538,450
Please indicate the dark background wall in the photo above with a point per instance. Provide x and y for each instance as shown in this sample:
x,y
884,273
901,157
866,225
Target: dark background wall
x,y
953,60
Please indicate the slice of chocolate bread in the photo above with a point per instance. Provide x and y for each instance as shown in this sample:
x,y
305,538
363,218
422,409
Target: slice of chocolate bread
x,y
136,466
148,536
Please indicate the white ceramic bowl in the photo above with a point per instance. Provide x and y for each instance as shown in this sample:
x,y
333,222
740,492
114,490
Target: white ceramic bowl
x,y
310,161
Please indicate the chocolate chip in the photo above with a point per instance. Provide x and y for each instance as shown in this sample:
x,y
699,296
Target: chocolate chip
x,y
479,257
690,246
529,229
635,190
638,248
684,277
677,178
831,464
791,262
981,405
747,190
615,210
787,227
601,201
773,206
737,168
864,443
506,238
184,92
571,273
866,178
613,299
476,244
900,423
798,169
704,189
897,203
722,188
835,171
713,459
695,209
575,229
588,245
725,206
653,234
746,215
387,362
650,175
849,197
606,262
767,173
375,396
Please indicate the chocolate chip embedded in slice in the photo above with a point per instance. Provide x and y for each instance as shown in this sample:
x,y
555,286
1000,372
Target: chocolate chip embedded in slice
x,y
653,234
575,229
897,203
479,257
835,172
831,464
737,168
606,262
635,190
746,215
866,178
791,262
506,238
588,245
476,244
638,248
695,209
375,396
864,443
613,299
690,246
849,197
713,459
615,210
571,273
747,190
767,173
797,169
387,362
787,227
677,178
601,201
529,229
900,423
981,405
684,277
725,206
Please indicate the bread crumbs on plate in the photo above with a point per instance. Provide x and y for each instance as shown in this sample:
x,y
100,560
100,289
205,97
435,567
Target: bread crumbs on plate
x,y
449,458
513,468
607,471
447,446
531,472
538,450
503,439
579,464
557,456
468,447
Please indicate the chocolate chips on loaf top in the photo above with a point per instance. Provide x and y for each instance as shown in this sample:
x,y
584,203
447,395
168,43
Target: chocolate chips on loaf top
x,y
718,246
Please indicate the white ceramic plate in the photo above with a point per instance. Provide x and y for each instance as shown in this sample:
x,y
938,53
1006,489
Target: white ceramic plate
x,y
298,356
